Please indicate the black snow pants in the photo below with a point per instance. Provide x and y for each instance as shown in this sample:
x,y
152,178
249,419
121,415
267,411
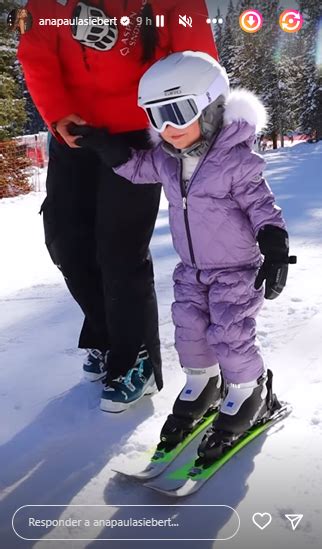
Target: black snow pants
x,y
98,228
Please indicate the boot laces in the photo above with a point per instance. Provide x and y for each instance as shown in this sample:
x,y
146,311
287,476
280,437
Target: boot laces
x,y
123,380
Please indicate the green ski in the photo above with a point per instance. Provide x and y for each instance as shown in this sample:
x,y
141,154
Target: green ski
x,y
163,457
190,477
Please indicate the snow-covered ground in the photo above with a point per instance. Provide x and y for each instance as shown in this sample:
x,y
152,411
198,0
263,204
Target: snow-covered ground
x,y
58,448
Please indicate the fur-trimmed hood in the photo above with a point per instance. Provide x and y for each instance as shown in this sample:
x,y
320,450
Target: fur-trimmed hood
x,y
244,116
243,105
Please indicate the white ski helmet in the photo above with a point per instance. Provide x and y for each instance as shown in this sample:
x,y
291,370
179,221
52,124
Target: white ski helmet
x,y
96,34
177,89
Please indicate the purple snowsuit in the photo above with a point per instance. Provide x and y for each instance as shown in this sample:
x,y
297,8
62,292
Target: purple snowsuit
x,y
214,225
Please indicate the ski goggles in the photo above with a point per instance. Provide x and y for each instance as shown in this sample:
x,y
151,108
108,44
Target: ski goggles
x,y
179,113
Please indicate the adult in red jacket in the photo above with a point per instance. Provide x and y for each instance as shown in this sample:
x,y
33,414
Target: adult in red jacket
x,y
97,230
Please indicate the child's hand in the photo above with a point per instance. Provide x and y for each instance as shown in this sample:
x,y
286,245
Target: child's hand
x,y
112,149
275,275
273,243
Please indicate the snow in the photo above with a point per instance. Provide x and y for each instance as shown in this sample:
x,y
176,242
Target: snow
x,y
58,448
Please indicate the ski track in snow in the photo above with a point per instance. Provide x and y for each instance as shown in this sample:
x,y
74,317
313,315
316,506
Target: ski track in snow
x,y
57,447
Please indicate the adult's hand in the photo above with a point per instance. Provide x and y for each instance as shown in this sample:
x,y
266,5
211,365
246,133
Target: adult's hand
x,y
62,129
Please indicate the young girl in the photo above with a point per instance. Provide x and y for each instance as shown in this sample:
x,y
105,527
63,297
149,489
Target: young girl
x,y
222,217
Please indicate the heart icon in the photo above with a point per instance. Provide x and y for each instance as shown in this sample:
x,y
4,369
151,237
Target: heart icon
x,y
262,520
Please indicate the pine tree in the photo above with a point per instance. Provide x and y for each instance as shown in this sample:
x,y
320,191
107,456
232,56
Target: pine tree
x,y
311,115
288,74
291,78
248,53
12,105
229,41
14,164
270,83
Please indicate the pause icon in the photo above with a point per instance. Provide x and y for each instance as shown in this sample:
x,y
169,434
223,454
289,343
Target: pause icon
x,y
159,20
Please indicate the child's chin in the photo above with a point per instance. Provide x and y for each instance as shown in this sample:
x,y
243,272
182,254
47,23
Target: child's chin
x,y
179,144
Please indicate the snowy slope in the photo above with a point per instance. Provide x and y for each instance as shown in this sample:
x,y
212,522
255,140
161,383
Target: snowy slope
x,y
58,448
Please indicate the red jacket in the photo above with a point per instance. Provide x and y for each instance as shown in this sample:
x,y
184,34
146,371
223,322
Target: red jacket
x,y
65,77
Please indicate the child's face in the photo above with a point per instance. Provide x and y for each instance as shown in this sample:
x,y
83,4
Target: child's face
x,y
182,138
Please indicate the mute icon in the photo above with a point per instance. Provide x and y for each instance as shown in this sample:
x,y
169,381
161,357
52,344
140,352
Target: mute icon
x,y
185,20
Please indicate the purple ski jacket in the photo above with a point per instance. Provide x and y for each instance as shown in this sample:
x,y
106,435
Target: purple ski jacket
x,y
215,221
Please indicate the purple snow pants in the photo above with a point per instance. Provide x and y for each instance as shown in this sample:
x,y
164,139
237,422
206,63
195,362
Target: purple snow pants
x,y
215,321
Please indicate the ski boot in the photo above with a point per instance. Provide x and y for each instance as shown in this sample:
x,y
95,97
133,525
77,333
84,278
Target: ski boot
x,y
120,393
201,394
245,405
94,367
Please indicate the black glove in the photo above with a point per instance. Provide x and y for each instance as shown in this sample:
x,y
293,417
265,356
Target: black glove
x,y
112,149
273,243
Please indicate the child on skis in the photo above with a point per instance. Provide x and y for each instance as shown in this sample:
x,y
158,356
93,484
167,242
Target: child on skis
x,y
222,218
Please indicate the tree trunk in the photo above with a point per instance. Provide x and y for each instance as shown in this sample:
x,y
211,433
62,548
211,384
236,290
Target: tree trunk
x,y
274,139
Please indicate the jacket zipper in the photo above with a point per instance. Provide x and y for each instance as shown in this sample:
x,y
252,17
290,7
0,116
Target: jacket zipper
x,y
184,193
186,219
